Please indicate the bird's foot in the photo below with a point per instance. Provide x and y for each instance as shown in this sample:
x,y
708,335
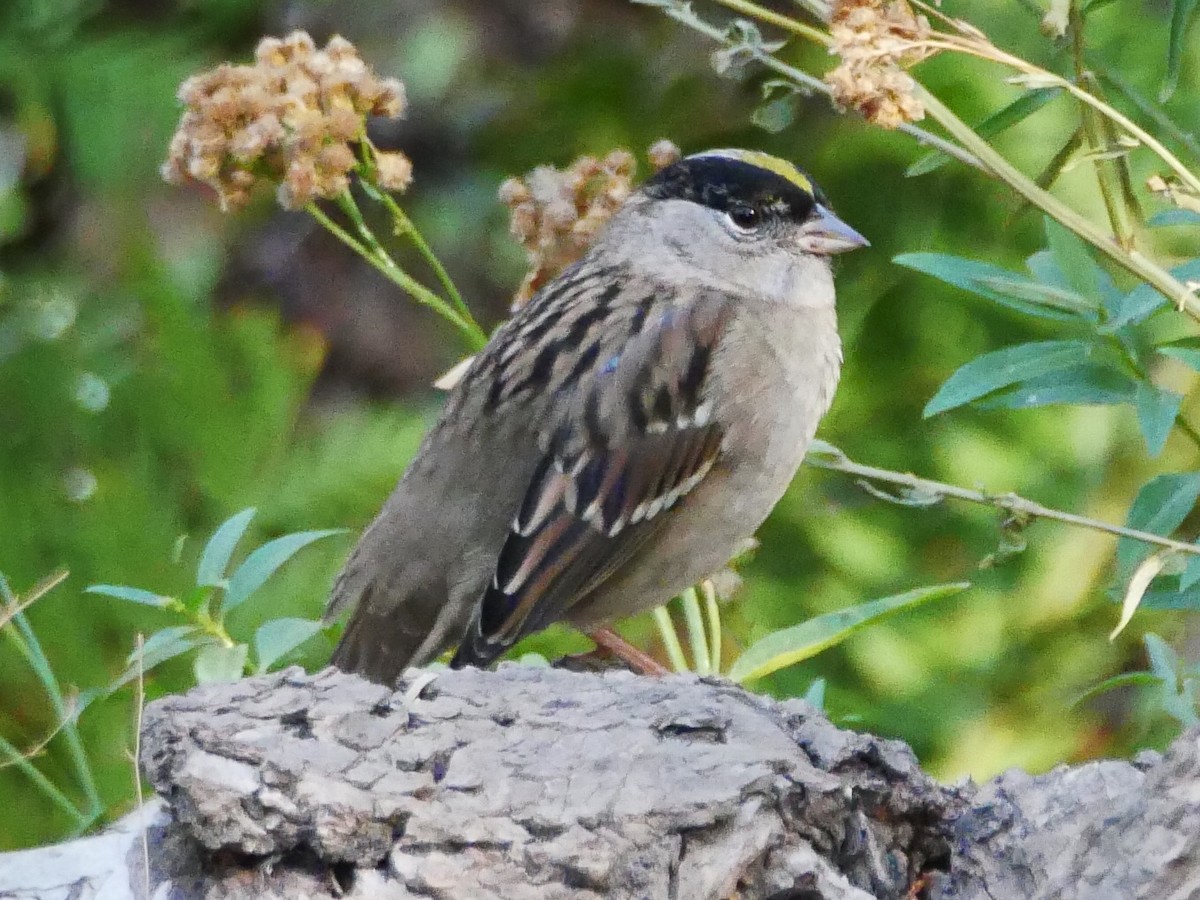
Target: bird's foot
x,y
639,661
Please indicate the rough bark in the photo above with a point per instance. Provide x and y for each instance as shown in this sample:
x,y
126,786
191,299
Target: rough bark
x,y
538,783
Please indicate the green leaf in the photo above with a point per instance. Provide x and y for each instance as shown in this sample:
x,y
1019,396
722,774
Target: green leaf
x,y
1160,507
262,563
796,644
1190,574
278,637
774,115
132,594
1018,110
1181,16
1074,259
1091,384
217,552
1126,679
1003,368
999,285
1156,412
1143,301
216,662
815,695
157,649
1186,350
1174,217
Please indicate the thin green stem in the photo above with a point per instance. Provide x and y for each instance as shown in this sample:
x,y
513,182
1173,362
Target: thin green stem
x,y
79,758
44,784
787,23
1131,260
839,462
712,612
1106,178
474,335
404,228
701,661
670,638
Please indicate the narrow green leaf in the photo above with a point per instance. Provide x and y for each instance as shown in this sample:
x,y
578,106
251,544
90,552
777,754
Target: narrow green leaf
x,y
994,283
1020,109
1164,598
157,649
1091,384
1181,17
1190,574
1003,368
216,662
263,562
1160,507
1156,412
1143,301
278,637
1186,350
815,695
1164,662
1042,294
1074,259
1126,679
1170,217
796,644
131,594
214,560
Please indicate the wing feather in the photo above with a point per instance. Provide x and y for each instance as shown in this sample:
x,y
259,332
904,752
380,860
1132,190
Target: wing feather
x,y
610,471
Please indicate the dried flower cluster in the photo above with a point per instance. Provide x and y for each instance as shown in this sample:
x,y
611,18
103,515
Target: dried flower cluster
x,y
876,40
292,119
556,213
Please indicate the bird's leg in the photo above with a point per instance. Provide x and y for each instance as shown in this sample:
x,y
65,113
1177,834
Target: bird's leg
x,y
638,660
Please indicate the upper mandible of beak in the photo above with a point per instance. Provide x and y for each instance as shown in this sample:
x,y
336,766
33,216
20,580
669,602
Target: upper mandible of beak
x,y
826,234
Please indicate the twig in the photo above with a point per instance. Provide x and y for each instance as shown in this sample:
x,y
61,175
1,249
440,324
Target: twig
x,y
828,457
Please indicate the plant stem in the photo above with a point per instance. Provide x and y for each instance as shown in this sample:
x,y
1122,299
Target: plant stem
x,y
701,661
787,23
387,267
712,612
670,638
811,83
1130,260
1105,170
837,461
47,787
403,227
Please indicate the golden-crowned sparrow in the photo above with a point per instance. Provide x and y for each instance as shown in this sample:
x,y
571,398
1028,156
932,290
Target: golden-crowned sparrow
x,y
623,434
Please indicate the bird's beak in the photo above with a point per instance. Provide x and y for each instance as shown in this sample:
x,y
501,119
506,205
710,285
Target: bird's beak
x,y
825,234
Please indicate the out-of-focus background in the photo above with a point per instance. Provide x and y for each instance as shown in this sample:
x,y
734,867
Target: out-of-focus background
x,y
163,366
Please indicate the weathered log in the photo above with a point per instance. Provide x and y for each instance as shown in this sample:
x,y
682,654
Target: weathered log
x,y
539,783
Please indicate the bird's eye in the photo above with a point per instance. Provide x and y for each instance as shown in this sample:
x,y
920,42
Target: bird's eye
x,y
745,217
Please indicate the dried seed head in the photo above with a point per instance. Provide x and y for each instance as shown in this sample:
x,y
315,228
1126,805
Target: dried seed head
x,y
291,118
394,171
876,40
662,153
557,213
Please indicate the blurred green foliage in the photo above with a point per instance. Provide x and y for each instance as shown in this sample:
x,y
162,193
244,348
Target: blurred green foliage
x,y
136,408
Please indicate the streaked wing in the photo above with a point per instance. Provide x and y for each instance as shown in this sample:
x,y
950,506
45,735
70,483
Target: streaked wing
x,y
635,438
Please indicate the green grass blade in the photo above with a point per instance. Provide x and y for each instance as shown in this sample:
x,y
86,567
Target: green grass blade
x,y
670,638
701,661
